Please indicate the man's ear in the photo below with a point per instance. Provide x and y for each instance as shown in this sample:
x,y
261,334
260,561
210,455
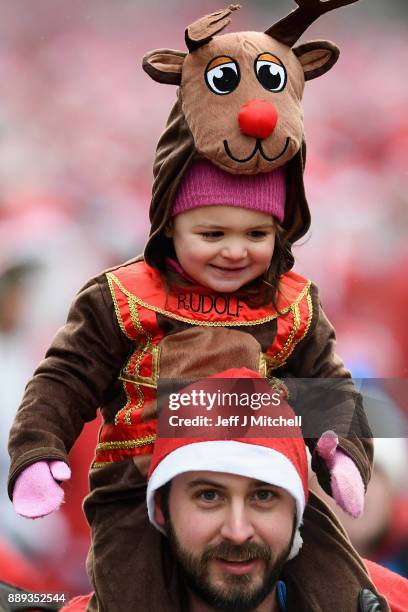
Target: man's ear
x,y
158,513
169,229
316,57
164,65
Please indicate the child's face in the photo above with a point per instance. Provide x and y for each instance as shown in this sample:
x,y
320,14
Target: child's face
x,y
223,247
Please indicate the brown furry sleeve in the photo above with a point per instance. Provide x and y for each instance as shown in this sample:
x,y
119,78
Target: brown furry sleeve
x,y
72,381
333,403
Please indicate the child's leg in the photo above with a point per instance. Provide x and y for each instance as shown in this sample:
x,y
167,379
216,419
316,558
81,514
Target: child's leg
x,y
125,563
328,574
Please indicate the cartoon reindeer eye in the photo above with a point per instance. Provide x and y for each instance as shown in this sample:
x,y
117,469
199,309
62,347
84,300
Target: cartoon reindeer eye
x,y
222,75
270,72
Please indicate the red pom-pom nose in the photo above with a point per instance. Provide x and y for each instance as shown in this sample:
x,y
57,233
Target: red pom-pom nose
x,y
258,118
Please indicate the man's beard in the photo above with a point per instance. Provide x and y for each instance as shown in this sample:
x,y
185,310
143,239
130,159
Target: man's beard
x,y
237,594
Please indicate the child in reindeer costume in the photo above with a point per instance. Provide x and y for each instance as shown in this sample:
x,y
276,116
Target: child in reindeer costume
x,y
214,290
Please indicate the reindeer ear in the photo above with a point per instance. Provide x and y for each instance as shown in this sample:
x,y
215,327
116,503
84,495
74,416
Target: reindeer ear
x,y
201,31
316,57
164,65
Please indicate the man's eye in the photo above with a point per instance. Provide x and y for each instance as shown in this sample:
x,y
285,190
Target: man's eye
x,y
264,495
208,496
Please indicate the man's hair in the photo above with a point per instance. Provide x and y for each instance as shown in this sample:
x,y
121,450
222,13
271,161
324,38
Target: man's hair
x,y
163,499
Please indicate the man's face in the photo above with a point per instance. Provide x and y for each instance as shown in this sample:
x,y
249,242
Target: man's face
x,y
231,535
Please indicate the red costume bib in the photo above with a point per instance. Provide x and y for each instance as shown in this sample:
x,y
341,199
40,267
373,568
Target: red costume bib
x,y
139,295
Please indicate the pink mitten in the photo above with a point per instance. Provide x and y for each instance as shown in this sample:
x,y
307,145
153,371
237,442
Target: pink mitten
x,y
346,482
36,492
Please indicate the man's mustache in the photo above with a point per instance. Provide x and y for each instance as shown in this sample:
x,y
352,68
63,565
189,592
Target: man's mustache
x,y
237,552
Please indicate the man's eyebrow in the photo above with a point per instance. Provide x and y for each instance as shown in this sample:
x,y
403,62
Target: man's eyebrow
x,y
261,483
197,482
258,484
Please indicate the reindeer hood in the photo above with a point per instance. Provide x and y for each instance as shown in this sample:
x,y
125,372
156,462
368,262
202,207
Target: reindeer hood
x,y
239,106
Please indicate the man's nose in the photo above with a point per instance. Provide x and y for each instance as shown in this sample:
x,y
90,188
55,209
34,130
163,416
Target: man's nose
x,y
237,527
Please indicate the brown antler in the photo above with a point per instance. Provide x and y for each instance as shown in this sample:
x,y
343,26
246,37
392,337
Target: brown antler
x,y
202,30
289,29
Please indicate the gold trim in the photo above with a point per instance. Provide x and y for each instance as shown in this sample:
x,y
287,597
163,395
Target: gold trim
x,y
128,409
273,361
138,326
172,315
123,328
278,385
310,304
276,361
147,381
128,398
138,380
289,341
100,464
262,369
116,307
126,444
264,364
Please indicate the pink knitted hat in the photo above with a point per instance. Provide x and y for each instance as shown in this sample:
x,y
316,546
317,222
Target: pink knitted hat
x,y
206,185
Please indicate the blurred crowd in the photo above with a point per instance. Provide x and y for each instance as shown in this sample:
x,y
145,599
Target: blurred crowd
x,y
79,122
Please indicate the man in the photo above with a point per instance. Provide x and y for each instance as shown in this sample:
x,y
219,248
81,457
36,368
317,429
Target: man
x,y
233,523
232,510
232,532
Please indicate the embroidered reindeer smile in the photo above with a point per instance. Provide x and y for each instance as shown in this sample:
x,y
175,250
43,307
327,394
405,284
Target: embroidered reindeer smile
x,y
258,147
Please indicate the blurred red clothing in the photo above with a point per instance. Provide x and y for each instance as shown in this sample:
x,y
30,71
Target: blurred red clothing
x,y
78,604
16,570
391,585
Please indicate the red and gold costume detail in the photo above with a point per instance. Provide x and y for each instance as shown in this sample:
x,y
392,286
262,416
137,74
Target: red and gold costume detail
x,y
138,295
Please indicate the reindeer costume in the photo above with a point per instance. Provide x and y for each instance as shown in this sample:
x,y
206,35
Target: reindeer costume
x,y
124,331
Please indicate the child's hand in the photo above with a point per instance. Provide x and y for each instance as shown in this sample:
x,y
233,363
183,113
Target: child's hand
x,y
346,482
36,492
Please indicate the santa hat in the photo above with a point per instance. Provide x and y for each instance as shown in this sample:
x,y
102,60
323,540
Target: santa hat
x,y
279,461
